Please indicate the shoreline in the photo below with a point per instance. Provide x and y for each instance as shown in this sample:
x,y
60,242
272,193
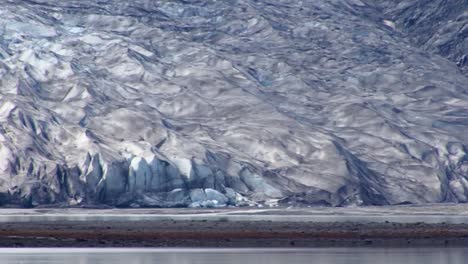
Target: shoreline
x,y
223,234
392,226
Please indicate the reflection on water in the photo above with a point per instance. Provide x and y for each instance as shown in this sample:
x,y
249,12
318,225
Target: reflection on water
x,y
325,218
446,213
244,256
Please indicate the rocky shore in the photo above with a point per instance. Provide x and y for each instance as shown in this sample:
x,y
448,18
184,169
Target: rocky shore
x,y
230,234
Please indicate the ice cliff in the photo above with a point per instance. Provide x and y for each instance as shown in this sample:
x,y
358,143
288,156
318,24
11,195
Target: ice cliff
x,y
233,102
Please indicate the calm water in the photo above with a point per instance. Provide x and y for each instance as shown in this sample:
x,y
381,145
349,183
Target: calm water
x,y
216,256
446,213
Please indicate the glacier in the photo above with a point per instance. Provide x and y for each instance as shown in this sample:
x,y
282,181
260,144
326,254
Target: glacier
x,y
190,103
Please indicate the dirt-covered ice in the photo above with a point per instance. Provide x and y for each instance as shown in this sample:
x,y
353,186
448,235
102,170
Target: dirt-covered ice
x,y
239,102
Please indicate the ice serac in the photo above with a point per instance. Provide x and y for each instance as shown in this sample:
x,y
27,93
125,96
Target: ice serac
x,y
231,103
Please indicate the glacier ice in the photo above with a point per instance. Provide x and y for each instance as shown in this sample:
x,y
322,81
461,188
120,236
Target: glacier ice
x,y
241,102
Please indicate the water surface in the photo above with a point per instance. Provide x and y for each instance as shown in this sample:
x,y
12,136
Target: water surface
x,y
446,213
243,256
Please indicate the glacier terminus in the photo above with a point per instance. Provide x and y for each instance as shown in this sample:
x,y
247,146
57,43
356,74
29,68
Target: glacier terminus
x,y
205,103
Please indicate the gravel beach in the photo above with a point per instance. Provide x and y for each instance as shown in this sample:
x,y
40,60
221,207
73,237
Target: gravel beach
x,y
230,234
392,226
